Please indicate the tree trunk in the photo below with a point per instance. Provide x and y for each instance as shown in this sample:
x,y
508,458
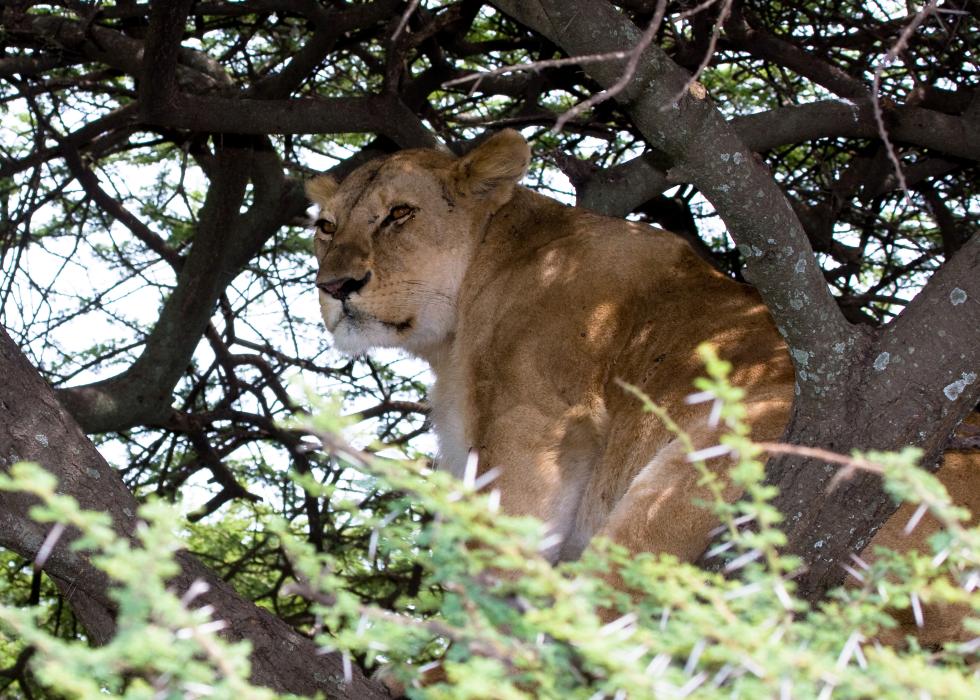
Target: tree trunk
x,y
35,427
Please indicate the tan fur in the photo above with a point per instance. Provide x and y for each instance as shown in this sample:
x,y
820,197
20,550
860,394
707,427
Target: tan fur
x,y
529,312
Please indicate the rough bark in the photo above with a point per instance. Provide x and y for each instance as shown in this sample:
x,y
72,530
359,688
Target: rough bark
x,y
34,426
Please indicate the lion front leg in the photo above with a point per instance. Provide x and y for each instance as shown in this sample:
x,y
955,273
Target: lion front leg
x,y
544,462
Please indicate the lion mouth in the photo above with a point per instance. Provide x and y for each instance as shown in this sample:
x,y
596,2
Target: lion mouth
x,y
355,316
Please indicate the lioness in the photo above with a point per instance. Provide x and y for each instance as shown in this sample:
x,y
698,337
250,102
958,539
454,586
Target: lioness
x,y
528,312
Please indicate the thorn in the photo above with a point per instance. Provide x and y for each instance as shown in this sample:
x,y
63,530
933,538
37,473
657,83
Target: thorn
x,y
916,517
664,617
469,474
373,545
48,546
692,660
783,595
745,590
718,549
738,562
715,416
348,672
486,478
197,588
692,685
853,643
853,572
213,626
752,667
723,673
622,623
916,609
552,540
493,502
709,453
972,581
860,562
940,558
699,397
970,647
659,664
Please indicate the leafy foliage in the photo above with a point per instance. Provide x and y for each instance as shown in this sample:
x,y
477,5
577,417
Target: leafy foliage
x,y
505,623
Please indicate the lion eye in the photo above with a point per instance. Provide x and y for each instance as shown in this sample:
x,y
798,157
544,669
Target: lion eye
x,y
398,213
325,226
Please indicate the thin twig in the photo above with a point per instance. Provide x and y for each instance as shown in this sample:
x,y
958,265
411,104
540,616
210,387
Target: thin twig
x,y
892,54
628,72
850,463
412,6
634,54
712,43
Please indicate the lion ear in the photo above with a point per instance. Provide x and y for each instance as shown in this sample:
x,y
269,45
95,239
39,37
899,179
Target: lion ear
x,y
320,188
493,168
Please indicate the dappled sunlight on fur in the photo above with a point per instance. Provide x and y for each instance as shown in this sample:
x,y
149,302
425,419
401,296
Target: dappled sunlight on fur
x,y
530,313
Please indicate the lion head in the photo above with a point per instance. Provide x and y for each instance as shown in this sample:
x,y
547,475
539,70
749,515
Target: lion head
x,y
394,239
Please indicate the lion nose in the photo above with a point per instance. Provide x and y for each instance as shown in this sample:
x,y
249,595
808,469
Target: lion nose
x,y
343,287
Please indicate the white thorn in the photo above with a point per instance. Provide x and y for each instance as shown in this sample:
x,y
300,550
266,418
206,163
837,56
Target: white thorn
x,y
699,397
783,595
348,671
618,624
197,588
552,540
971,646
469,474
486,478
715,416
659,664
847,652
719,548
493,502
709,453
692,660
972,581
916,609
740,561
745,590
48,545
723,673
692,685
916,517
853,572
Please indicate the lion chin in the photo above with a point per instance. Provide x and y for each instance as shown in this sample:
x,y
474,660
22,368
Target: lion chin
x,y
531,314
356,333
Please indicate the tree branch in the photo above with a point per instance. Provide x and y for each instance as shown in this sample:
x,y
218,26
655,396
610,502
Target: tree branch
x,y
223,243
706,151
621,189
33,426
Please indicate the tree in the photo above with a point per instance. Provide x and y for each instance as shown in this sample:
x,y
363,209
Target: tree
x,y
163,146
